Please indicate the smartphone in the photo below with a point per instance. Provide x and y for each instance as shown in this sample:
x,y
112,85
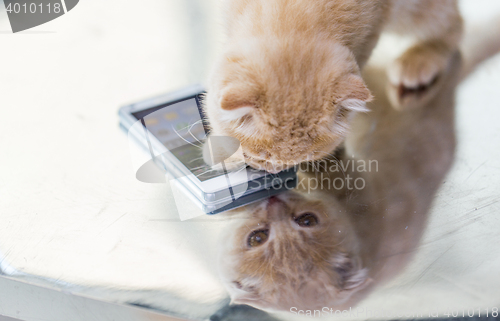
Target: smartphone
x,y
173,129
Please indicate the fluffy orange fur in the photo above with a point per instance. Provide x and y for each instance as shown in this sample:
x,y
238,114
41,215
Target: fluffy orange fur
x,y
359,238
300,267
289,79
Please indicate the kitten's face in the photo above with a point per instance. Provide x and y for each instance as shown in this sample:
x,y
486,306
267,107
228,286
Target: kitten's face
x,y
286,102
292,250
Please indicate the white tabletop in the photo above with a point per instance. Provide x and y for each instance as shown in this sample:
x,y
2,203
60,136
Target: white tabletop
x,y
71,209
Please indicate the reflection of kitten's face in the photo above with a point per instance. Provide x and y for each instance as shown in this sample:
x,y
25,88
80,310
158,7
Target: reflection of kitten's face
x,y
285,102
292,250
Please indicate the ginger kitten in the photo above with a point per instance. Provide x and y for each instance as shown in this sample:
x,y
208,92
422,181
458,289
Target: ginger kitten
x,y
322,246
289,79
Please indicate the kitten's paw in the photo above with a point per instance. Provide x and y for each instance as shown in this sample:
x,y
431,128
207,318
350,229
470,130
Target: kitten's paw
x,y
414,75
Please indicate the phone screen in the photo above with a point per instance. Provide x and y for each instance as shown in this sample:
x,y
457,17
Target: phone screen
x,y
179,127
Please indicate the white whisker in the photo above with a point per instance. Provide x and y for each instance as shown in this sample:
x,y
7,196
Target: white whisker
x,y
180,136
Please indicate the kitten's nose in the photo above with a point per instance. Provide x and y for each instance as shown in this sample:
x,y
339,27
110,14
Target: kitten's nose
x,y
273,200
276,208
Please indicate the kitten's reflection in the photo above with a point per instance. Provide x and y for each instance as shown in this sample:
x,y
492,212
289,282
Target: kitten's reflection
x,y
328,246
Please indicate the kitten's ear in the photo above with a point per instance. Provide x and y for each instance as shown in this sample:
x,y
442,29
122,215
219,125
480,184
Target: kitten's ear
x,y
352,277
235,97
356,280
355,88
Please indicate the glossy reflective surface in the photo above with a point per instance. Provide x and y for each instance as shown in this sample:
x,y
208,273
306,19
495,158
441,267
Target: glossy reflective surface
x,y
73,216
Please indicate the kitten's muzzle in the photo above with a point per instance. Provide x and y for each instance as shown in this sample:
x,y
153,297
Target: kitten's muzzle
x,y
273,200
276,208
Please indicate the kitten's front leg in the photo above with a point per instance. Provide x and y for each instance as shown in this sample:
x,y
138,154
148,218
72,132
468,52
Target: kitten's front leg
x,y
414,77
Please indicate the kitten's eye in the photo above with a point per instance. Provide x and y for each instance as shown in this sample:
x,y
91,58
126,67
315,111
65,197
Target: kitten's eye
x,y
307,220
257,238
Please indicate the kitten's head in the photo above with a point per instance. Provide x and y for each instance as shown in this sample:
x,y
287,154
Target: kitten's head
x,y
285,100
291,251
